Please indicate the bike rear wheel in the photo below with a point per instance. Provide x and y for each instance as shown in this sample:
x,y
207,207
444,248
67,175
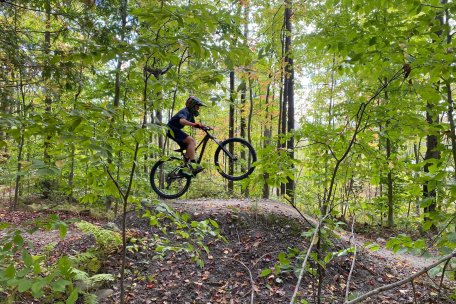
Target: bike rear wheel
x,y
168,179
234,158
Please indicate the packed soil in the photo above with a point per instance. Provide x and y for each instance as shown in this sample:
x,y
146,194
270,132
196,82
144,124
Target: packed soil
x,y
257,259
261,235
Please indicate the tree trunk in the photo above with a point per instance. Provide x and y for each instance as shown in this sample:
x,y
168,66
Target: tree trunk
x,y
231,127
450,100
249,121
116,102
267,138
432,153
429,192
46,184
390,186
289,91
161,141
390,175
20,148
244,94
283,106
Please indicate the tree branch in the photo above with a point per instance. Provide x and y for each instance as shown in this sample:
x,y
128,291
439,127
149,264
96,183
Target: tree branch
x,y
303,266
401,282
352,238
252,294
33,9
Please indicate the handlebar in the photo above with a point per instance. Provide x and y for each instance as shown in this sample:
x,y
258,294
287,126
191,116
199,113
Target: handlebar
x,y
206,128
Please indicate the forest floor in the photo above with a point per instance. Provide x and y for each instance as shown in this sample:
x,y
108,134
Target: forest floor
x,y
255,233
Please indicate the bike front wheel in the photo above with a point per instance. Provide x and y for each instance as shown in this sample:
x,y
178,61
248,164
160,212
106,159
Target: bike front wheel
x,y
234,158
168,178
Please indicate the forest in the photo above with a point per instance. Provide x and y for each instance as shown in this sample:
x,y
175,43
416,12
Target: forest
x,y
347,103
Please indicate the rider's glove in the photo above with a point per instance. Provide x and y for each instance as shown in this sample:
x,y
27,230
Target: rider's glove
x,y
198,125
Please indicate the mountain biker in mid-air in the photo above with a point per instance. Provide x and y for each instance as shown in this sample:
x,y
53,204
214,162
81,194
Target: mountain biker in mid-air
x,y
186,117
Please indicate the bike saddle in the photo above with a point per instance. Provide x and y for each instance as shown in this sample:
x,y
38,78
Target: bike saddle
x,y
180,150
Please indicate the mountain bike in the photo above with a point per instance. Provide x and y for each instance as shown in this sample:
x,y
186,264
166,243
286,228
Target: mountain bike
x,y
170,177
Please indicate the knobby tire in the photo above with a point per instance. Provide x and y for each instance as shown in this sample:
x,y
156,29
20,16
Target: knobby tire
x,y
245,153
158,177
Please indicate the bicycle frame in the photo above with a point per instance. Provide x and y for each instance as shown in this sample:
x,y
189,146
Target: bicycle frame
x,y
203,144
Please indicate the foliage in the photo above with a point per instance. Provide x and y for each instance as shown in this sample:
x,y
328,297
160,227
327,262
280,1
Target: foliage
x,y
39,276
83,82
34,275
179,233
107,240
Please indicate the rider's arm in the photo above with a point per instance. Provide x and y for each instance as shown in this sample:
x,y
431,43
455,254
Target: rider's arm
x,y
185,122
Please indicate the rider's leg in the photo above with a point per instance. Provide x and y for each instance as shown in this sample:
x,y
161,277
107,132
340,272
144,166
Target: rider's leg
x,y
191,145
190,154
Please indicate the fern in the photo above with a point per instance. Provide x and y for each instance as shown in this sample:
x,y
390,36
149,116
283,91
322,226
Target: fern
x,y
83,257
90,298
102,277
87,261
106,239
80,275
91,282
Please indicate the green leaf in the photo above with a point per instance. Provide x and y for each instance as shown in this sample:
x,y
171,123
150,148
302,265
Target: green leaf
x,y
37,288
435,271
427,225
4,225
73,297
14,282
23,272
214,223
37,268
372,41
10,271
76,122
373,247
265,272
63,228
18,240
8,246
27,258
283,258
65,268
452,237
60,285
24,285
45,172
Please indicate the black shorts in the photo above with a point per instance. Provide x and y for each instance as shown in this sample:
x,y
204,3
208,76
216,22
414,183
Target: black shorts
x,y
178,136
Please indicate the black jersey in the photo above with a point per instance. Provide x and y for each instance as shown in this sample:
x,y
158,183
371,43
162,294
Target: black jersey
x,y
185,114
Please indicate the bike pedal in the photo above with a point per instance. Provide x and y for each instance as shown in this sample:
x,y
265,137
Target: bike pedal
x,y
183,172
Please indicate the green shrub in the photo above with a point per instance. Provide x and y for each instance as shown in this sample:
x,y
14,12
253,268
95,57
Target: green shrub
x,y
107,240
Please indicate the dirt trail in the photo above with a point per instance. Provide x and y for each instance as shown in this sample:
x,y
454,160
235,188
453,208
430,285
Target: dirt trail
x,y
272,206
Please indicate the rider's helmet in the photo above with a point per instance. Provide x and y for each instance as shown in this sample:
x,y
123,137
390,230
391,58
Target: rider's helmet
x,y
193,101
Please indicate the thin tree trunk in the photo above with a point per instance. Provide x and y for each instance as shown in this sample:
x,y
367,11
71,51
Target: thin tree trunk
x,y
283,103
390,186
249,121
244,93
289,89
432,152
450,100
231,128
161,141
267,138
46,184
73,148
21,110
116,102
389,176
429,192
